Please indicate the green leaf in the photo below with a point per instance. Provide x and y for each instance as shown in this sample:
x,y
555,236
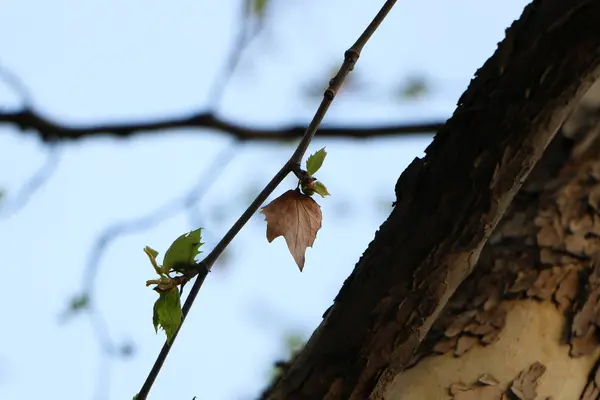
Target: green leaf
x,y
152,254
309,191
79,303
294,342
167,313
259,7
321,189
315,161
414,88
183,251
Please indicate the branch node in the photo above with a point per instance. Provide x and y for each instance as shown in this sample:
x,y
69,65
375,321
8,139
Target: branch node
x,y
351,57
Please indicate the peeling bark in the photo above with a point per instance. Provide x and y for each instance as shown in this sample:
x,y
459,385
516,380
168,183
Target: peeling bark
x,y
489,388
546,249
592,388
534,333
447,206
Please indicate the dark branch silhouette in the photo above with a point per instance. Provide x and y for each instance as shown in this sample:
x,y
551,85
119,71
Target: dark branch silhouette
x,y
52,131
351,56
204,182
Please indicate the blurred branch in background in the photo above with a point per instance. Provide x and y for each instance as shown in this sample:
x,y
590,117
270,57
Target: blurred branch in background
x,y
186,201
252,20
351,56
28,118
16,84
84,302
12,204
51,131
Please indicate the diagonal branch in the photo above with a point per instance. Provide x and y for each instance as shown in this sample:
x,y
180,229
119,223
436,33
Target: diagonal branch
x,y
350,58
52,131
448,204
16,84
151,219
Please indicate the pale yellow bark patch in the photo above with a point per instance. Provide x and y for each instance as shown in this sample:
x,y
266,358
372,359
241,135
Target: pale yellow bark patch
x,y
532,333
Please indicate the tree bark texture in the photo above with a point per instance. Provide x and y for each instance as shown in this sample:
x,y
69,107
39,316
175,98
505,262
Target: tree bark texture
x,y
533,302
449,203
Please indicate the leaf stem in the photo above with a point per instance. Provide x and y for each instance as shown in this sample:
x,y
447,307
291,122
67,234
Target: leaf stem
x,y
293,164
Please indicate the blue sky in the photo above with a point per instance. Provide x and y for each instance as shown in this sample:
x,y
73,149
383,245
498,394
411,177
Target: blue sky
x,y
99,61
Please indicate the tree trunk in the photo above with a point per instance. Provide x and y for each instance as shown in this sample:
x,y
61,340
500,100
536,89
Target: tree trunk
x,y
448,205
524,324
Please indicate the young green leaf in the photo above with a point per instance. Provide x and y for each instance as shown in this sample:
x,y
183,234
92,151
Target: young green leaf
x,y
152,254
314,162
259,6
167,313
79,303
321,189
183,251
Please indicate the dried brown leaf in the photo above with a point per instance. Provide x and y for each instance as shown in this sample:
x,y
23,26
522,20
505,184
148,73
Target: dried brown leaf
x,y
297,218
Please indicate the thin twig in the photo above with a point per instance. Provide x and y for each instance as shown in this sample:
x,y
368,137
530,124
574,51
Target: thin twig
x,y
33,184
350,58
203,184
15,82
244,36
205,181
52,131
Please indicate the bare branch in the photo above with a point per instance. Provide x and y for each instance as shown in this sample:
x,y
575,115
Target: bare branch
x,y
109,348
245,35
16,84
31,185
448,205
350,58
51,131
203,184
